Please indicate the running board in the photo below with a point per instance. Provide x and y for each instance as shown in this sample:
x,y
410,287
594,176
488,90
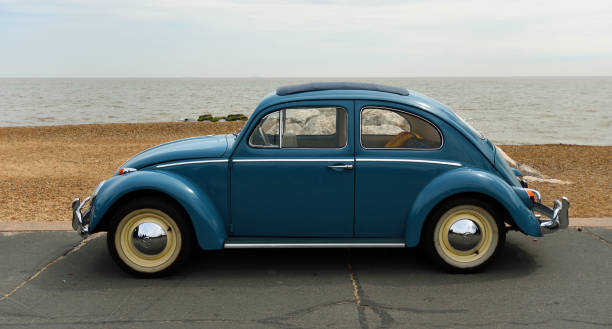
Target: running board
x,y
243,243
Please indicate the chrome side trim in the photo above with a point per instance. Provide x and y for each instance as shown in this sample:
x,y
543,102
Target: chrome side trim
x,y
447,163
293,160
190,162
314,245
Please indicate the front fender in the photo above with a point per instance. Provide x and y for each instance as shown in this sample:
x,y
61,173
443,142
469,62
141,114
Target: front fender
x,y
468,180
207,223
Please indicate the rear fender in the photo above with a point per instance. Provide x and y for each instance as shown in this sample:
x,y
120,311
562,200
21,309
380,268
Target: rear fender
x,y
468,180
207,223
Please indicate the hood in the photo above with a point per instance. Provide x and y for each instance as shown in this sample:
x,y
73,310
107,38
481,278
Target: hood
x,y
183,149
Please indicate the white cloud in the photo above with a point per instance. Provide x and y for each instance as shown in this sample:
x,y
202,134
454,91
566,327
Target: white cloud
x,y
345,37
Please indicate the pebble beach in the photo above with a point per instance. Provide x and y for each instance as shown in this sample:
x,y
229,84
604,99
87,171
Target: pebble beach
x,y
43,168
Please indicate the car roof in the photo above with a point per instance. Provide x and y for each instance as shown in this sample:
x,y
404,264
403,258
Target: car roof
x,y
354,91
318,86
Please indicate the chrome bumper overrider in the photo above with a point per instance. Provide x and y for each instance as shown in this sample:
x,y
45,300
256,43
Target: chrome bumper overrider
x,y
558,217
80,220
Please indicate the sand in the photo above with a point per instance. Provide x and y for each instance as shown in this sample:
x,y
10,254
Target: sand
x,y
43,168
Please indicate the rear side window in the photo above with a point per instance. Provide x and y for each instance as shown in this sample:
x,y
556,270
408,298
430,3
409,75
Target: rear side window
x,y
322,127
383,128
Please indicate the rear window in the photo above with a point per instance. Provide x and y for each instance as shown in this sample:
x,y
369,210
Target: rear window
x,y
383,128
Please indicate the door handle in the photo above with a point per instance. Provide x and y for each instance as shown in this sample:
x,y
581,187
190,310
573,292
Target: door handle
x,y
341,167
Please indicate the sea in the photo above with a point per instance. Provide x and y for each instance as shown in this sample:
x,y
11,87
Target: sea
x,y
508,110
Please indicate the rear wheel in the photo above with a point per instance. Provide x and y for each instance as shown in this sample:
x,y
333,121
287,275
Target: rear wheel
x,y
464,235
150,236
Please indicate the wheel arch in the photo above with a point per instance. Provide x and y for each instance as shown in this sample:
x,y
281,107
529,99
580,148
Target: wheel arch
x,y
464,182
206,222
105,221
499,209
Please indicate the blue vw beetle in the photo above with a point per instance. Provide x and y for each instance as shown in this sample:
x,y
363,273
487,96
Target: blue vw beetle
x,y
320,165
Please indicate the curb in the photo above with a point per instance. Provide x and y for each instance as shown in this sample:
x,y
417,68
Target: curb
x,y
605,222
35,226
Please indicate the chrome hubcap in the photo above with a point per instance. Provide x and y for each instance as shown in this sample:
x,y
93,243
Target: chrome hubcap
x,y
464,235
149,238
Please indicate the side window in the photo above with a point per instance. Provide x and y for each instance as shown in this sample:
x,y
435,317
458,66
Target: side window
x,y
302,128
314,128
267,132
386,128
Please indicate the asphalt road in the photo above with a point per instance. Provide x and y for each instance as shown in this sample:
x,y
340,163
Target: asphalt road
x,y
52,280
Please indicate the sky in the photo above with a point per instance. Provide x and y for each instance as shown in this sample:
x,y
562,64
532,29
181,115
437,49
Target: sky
x,y
299,38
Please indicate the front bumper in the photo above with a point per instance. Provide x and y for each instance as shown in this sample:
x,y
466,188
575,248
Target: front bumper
x,y
80,219
557,216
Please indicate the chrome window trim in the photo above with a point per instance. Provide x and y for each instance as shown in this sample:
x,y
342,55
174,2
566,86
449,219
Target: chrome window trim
x,y
447,163
295,160
281,127
191,162
281,130
396,148
263,146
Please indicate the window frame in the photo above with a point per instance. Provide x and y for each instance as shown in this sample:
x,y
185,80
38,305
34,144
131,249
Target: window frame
x,y
281,129
401,112
274,147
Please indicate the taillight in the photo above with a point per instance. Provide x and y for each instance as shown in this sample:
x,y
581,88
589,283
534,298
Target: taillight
x,y
529,192
534,195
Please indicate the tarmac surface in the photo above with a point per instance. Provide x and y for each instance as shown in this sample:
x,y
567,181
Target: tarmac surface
x,y
56,280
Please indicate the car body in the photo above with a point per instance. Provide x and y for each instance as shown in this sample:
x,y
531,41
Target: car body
x,y
320,165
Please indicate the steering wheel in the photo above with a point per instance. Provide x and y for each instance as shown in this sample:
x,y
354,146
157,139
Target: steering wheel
x,y
264,137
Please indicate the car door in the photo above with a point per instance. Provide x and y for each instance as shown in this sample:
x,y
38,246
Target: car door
x,y
292,173
398,152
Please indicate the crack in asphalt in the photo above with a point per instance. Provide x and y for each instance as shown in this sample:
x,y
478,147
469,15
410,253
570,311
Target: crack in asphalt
x,y
597,236
278,320
386,320
275,321
111,322
44,268
513,323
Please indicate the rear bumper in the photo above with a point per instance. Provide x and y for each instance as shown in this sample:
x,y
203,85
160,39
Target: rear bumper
x,y
557,216
80,218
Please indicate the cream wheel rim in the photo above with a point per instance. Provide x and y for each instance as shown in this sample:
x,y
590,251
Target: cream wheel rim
x,y
475,254
132,254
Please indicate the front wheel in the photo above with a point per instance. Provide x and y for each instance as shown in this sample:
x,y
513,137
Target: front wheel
x,y
149,237
464,235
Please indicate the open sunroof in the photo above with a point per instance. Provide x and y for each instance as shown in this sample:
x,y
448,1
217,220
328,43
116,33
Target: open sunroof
x,y
318,86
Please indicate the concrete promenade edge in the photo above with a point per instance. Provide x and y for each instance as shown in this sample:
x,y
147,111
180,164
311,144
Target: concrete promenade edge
x,y
605,222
